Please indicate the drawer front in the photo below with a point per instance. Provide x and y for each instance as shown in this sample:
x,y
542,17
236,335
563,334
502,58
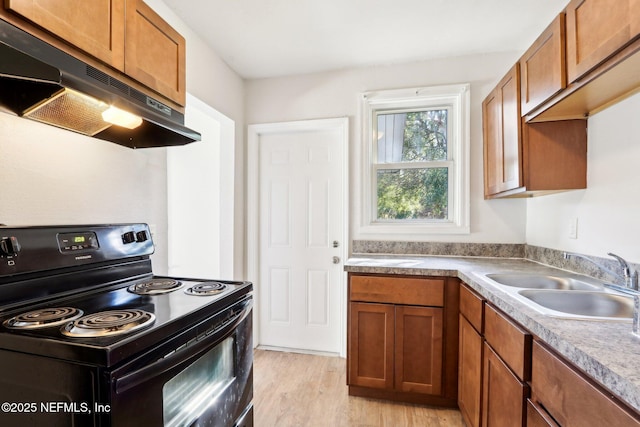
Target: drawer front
x,y
397,290
511,342
472,307
571,399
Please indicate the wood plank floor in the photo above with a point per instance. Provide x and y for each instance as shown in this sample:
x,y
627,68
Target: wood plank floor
x,y
301,390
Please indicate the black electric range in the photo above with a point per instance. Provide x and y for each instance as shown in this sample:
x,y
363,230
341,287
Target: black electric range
x,y
83,304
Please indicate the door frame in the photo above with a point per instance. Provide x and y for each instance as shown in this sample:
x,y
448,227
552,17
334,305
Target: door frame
x,y
254,132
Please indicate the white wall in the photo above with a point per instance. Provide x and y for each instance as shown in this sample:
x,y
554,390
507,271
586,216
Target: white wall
x,y
200,191
335,94
608,211
213,82
52,176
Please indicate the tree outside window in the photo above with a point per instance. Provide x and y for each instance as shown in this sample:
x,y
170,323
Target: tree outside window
x,y
412,171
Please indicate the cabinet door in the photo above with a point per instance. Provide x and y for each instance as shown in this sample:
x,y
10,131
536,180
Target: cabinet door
x,y
502,136
537,417
469,373
371,345
418,349
596,29
154,52
503,395
96,26
542,67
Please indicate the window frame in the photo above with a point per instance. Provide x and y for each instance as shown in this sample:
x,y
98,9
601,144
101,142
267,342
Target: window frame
x,y
454,98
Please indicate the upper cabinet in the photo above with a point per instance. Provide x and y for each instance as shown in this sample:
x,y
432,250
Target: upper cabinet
x,y
502,135
126,35
154,52
602,59
527,159
596,29
96,27
586,60
542,67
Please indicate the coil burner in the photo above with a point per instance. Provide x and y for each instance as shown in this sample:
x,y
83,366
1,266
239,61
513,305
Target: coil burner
x,y
43,318
206,289
155,287
108,323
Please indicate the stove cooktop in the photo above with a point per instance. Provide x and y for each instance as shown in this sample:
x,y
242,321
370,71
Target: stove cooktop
x,y
170,313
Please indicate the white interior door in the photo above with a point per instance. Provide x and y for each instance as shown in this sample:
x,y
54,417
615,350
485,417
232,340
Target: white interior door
x,y
301,197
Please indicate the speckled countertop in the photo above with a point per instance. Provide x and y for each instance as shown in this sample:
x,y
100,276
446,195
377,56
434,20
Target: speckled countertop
x,y
607,351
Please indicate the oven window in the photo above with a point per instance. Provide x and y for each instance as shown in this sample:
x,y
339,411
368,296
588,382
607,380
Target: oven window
x,y
187,395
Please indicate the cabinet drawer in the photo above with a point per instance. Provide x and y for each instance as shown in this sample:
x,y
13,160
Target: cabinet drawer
x,y
511,342
397,290
472,307
570,398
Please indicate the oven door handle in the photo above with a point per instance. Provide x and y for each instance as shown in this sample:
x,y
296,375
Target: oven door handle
x,y
183,355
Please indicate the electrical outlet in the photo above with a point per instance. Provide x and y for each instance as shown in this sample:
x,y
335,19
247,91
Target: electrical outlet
x,y
573,228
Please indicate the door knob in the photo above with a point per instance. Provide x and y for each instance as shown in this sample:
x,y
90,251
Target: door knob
x,y
336,260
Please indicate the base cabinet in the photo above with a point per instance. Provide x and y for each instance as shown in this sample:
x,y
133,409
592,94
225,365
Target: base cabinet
x,y
494,365
471,345
470,373
562,394
503,394
398,349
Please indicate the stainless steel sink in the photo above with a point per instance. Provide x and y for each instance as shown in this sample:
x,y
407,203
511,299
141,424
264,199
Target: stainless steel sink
x,y
582,303
534,281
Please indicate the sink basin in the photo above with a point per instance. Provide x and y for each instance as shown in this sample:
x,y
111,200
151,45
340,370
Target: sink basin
x,y
582,303
534,281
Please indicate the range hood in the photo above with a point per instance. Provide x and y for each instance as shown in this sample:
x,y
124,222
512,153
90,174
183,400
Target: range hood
x,y
43,83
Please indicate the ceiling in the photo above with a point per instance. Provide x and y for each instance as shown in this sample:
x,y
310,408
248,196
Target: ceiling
x,y
270,38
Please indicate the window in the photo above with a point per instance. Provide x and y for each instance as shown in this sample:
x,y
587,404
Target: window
x,y
416,144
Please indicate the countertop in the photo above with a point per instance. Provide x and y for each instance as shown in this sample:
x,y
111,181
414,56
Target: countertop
x,y
606,351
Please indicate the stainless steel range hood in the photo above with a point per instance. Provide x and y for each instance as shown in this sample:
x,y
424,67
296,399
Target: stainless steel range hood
x,y
40,82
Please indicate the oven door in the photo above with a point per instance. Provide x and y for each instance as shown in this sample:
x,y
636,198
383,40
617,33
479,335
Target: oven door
x,y
203,377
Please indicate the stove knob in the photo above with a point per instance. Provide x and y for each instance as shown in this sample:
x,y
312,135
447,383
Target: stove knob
x,y
128,237
9,246
142,236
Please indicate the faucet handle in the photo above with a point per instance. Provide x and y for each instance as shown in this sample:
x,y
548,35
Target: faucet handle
x,y
625,266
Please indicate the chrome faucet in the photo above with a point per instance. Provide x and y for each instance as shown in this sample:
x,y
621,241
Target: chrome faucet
x,y
629,277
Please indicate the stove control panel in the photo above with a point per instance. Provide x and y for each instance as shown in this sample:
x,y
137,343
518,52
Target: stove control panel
x,y
74,242
40,248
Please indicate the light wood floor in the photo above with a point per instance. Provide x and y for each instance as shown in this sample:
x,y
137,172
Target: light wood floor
x,y
301,390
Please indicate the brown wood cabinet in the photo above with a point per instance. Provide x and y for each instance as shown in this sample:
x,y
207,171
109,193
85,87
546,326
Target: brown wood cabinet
x,y
597,29
561,393
526,159
503,394
128,36
396,347
502,136
470,356
494,365
400,345
96,27
542,67
154,52
506,368
470,373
